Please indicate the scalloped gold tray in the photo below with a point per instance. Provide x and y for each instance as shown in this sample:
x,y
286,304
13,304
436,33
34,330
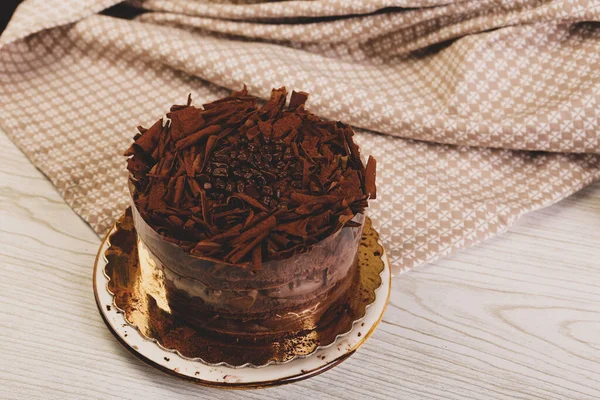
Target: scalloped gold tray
x,y
118,269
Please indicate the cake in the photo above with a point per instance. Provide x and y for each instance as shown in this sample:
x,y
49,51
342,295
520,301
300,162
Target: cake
x,y
249,216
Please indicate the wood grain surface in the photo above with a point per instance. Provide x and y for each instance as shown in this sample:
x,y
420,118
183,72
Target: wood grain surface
x,y
516,317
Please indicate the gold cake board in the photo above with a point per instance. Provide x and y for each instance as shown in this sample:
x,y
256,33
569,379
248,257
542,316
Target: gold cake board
x,y
152,337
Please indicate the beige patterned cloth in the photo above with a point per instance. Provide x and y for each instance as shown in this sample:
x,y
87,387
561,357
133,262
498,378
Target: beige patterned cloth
x,y
446,94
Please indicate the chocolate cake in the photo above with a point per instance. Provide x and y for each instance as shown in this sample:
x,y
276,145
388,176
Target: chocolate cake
x,y
249,215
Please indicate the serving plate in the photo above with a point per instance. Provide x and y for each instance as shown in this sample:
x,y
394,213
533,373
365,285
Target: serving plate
x,y
163,342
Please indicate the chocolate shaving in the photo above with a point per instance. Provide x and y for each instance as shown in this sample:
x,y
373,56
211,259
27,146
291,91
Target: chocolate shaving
x,y
179,186
202,247
197,137
239,252
147,140
298,99
370,173
296,228
251,201
233,232
198,163
248,219
275,105
185,121
234,182
263,226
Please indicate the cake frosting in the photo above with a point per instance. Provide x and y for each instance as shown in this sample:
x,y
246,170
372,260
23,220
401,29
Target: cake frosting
x,y
251,214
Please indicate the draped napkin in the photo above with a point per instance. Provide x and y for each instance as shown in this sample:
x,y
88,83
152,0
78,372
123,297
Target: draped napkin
x,y
476,110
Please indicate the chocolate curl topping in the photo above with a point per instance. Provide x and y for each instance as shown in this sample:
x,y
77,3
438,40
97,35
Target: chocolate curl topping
x,y
147,141
264,226
298,99
197,137
179,186
238,253
275,104
251,201
256,235
370,173
244,184
185,121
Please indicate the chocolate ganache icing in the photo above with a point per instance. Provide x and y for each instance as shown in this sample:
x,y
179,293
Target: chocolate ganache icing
x,y
250,214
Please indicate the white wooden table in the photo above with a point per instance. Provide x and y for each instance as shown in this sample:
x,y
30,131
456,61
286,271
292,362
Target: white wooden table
x,y
516,317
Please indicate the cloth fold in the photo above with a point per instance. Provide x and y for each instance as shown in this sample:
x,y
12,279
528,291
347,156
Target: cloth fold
x,y
447,95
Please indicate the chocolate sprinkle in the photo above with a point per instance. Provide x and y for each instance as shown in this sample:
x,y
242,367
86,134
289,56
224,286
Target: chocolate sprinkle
x,y
247,184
